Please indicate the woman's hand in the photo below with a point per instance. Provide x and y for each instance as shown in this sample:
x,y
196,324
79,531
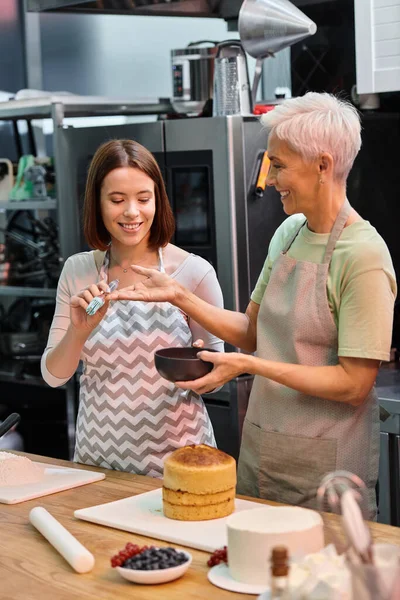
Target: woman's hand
x,y
227,365
80,320
154,287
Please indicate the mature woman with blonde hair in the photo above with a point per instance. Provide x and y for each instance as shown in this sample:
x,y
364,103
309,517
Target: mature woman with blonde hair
x,y
129,418
319,318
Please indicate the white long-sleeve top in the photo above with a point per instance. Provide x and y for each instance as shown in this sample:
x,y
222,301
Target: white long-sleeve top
x,y
80,271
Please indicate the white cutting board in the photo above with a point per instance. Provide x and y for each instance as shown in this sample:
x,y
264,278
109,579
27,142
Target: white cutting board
x,y
56,479
143,514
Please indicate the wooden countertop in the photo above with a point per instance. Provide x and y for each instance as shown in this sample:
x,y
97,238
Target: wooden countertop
x,y
30,568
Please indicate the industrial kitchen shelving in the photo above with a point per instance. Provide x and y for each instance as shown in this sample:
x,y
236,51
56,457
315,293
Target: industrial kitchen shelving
x,y
59,108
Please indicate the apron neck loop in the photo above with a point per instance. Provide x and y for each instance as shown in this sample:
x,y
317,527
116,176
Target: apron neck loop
x,y
337,229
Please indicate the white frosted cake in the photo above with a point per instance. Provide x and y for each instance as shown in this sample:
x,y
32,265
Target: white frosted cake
x,y
253,533
18,470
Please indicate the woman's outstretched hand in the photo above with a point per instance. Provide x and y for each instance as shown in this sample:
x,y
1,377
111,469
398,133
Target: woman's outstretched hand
x,y
154,287
227,366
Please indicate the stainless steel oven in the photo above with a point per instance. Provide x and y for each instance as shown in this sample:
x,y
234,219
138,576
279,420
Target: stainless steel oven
x,y
210,167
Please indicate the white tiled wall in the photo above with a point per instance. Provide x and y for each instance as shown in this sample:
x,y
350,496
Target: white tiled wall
x,y
377,25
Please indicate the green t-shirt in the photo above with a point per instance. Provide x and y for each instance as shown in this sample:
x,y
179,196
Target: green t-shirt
x,y
361,286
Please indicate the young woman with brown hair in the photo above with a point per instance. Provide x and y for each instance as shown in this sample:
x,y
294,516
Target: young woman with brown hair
x,y
129,417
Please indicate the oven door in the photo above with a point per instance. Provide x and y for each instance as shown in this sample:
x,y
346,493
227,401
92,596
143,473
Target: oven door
x,y
189,177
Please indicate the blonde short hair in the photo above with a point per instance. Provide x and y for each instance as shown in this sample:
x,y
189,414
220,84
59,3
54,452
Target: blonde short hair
x,y
316,123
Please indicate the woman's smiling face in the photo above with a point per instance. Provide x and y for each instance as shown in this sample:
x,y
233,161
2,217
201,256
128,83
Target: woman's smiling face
x,y
294,178
128,205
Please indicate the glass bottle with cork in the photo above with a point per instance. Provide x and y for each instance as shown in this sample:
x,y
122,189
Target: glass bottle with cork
x,y
279,572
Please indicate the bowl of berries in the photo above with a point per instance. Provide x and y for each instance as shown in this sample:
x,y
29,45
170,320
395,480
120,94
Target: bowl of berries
x,y
150,564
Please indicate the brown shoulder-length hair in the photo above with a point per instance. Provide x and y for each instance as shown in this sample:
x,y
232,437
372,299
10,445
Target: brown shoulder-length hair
x,y
113,155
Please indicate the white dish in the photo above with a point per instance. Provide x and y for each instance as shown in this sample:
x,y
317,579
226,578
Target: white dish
x,y
221,577
158,575
143,514
56,479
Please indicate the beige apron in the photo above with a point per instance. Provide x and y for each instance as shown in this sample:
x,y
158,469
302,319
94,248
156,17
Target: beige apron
x,y
291,440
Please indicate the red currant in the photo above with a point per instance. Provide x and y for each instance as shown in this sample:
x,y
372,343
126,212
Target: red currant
x,y
218,556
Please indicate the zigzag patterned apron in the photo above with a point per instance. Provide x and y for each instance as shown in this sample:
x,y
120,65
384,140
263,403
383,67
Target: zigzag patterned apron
x,y
129,417
291,440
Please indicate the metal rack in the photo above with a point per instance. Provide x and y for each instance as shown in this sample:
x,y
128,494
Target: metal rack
x,y
49,204
58,108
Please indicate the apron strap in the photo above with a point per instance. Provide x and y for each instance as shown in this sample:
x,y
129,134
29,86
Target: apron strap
x,y
98,256
293,237
336,232
161,267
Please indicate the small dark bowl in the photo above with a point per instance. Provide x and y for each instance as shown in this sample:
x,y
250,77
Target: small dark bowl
x,y
181,364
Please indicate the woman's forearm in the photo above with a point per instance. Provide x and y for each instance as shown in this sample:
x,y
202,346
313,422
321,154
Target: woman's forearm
x,y
62,360
232,327
350,384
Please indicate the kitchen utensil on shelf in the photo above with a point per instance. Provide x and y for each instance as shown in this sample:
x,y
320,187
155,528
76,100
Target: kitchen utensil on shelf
x,y
157,575
98,301
231,81
31,250
268,26
6,179
9,422
181,364
63,541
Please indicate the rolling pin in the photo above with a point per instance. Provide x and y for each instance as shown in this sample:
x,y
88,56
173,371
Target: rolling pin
x,y
67,545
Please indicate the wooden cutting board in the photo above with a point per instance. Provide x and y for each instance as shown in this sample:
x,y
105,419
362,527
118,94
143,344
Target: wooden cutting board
x,y
143,514
56,479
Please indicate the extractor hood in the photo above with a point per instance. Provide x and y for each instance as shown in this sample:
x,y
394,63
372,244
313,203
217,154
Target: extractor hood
x,y
184,8
224,9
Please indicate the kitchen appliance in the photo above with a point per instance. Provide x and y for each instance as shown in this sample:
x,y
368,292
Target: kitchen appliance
x,y
227,9
268,26
231,81
193,76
